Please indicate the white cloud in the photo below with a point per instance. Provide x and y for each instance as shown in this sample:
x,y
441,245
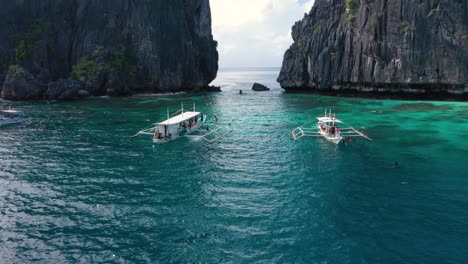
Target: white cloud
x,y
255,32
308,5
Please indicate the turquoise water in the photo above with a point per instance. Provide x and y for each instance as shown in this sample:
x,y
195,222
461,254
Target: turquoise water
x,y
76,189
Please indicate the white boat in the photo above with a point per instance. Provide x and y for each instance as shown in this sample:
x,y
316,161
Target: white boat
x,y
10,117
184,124
331,128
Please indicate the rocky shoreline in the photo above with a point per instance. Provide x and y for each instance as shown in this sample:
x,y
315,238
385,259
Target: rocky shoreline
x,y
386,95
20,85
402,91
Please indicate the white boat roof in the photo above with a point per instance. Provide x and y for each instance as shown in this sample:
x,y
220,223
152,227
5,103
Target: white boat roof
x,y
9,111
180,118
329,119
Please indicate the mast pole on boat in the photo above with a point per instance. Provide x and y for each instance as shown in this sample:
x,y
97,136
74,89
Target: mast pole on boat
x,y
182,107
194,106
168,113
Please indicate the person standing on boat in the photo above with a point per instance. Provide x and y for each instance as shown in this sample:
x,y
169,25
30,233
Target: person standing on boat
x,y
332,130
337,132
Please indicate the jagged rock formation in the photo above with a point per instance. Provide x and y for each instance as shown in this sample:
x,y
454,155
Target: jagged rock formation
x,y
382,46
20,85
110,46
63,90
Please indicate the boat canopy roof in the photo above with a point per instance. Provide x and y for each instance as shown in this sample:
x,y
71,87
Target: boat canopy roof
x,y
179,118
10,111
329,119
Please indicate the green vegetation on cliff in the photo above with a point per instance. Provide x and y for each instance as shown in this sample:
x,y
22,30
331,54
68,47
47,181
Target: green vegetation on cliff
x,y
85,68
350,6
118,64
318,25
23,42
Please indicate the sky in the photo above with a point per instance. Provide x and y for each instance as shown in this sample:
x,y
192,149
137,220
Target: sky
x,y
255,33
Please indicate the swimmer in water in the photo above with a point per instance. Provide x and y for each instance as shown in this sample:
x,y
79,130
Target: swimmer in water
x,y
396,165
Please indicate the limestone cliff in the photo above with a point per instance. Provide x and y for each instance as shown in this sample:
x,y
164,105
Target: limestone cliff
x,y
382,46
111,46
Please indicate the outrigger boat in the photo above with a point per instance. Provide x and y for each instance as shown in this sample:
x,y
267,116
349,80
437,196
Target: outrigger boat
x,y
184,124
10,117
327,126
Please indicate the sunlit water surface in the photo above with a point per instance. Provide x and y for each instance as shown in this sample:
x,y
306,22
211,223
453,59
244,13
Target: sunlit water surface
x,y
75,188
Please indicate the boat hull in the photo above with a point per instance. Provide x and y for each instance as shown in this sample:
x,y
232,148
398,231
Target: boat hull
x,y
179,134
333,139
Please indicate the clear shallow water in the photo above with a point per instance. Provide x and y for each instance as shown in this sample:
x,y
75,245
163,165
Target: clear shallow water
x,y
77,189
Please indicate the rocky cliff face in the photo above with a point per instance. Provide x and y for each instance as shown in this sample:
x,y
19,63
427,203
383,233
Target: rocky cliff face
x,y
383,46
110,46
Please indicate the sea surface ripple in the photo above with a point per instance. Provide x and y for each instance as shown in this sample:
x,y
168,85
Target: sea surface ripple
x,y
74,188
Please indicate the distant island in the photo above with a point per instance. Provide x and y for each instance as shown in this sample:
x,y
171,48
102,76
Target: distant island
x,y
385,48
53,49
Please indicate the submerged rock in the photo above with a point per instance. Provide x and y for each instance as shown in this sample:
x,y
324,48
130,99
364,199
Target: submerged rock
x,y
407,47
20,85
146,46
260,87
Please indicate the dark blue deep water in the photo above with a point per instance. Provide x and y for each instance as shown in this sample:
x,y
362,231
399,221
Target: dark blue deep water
x,y
75,188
